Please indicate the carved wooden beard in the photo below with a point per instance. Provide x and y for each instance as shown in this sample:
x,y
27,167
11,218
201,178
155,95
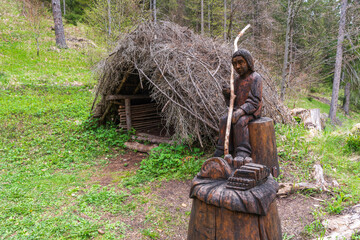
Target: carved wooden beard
x,y
240,65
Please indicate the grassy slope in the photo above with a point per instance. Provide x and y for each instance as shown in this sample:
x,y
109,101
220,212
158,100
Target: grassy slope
x,y
45,142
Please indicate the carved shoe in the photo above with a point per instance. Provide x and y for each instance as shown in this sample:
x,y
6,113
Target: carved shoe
x,y
218,153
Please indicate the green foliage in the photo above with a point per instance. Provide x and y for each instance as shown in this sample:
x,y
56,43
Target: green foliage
x,y
335,206
316,228
294,149
150,233
124,15
287,237
355,236
170,162
353,143
108,200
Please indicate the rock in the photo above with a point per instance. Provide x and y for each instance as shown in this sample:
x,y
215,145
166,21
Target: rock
x,y
355,129
297,111
343,226
310,117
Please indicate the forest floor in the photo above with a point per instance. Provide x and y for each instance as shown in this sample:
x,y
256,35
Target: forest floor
x,y
172,199
62,177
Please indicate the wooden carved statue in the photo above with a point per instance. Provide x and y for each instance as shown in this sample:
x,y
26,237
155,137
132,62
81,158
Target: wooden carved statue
x,y
247,106
234,196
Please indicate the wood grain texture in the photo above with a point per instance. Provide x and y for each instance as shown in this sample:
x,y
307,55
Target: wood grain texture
x,y
208,222
255,200
263,144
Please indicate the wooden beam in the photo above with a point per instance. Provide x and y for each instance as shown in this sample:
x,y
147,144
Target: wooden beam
x,y
137,88
128,113
122,82
118,97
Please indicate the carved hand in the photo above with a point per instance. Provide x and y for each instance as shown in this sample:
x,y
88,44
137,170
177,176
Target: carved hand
x,y
226,92
237,114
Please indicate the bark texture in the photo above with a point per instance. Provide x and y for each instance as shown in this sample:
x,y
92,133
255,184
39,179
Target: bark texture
x,y
338,63
346,105
286,52
59,27
202,17
208,222
263,144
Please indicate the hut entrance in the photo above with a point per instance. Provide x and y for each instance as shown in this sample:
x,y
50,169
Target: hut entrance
x,y
135,107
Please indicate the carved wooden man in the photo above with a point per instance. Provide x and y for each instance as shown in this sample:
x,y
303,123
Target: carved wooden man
x,y
247,106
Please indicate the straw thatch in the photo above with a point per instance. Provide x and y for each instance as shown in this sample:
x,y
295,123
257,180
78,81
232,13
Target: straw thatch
x,y
183,72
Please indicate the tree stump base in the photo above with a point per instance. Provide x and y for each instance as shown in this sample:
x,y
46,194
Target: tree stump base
x,y
221,213
263,144
208,222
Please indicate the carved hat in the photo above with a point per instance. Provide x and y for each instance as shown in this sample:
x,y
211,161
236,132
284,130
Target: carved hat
x,y
247,56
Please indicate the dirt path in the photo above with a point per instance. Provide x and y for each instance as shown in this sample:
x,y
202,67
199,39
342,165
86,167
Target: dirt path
x,y
162,208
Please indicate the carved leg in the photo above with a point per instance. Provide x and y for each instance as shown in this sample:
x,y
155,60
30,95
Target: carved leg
x,y
220,144
241,137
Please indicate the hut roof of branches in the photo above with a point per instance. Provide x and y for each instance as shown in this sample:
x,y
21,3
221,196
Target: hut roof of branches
x,y
182,72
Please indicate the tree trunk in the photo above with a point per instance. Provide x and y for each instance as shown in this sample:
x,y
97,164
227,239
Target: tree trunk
x,y
154,10
202,17
64,8
338,63
59,28
225,20
209,18
109,16
231,20
286,51
256,28
346,105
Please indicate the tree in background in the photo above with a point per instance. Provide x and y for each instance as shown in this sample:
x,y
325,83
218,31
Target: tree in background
x,y
111,18
34,11
59,27
338,64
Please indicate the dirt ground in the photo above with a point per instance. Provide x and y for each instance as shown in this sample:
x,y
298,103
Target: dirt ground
x,y
168,204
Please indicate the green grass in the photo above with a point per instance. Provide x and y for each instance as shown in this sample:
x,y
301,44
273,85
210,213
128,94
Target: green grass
x,y
47,141
335,149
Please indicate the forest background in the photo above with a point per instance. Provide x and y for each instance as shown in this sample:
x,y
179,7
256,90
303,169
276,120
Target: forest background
x,y
50,151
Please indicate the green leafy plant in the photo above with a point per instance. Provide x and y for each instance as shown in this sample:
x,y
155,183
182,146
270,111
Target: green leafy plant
x,y
336,205
316,228
353,143
170,162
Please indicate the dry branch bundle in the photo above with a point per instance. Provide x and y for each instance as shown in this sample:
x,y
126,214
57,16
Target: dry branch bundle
x,y
183,72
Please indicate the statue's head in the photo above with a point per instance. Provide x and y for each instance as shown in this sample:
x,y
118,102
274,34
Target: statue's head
x,y
243,62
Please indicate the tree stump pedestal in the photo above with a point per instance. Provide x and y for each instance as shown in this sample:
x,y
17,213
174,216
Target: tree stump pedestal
x,y
210,222
263,144
219,213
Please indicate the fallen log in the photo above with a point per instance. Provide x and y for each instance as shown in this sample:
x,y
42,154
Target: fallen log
x,y
139,146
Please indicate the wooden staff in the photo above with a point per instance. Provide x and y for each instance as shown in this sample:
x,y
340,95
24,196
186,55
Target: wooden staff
x,y
232,95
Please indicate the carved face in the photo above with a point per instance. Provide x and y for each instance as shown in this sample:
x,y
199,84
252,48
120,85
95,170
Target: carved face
x,y
240,65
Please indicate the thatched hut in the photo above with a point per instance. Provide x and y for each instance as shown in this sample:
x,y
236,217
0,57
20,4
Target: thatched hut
x,y
172,78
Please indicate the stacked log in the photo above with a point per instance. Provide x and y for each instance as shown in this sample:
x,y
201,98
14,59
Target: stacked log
x,y
143,116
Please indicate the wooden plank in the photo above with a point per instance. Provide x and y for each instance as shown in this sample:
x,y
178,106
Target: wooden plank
x,y
118,97
128,113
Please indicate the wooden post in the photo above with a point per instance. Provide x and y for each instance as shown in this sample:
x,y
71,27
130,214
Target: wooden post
x,y
263,144
128,113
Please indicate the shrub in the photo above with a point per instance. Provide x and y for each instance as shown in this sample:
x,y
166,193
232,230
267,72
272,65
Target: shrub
x,y
353,142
